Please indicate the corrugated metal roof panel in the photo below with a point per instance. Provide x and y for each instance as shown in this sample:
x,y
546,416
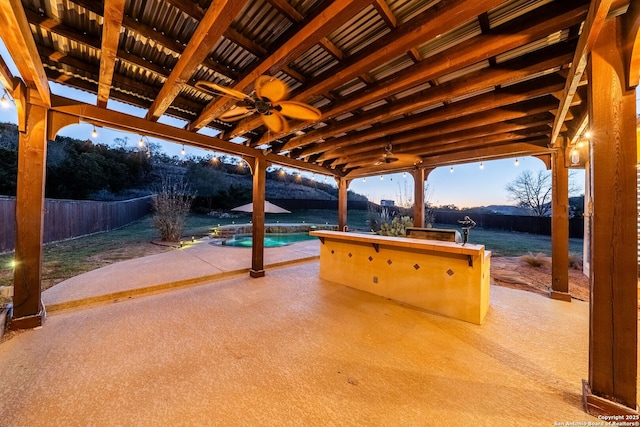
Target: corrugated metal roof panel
x,y
261,23
512,9
405,10
359,32
450,39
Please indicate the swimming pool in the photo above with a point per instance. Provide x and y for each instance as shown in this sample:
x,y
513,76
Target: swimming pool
x,y
270,240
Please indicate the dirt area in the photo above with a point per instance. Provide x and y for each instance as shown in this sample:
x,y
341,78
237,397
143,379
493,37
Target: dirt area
x,y
512,272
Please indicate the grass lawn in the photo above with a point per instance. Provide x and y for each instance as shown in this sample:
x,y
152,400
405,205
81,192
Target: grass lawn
x,y
69,258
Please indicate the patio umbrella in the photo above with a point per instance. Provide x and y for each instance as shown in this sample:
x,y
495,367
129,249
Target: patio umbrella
x,y
268,208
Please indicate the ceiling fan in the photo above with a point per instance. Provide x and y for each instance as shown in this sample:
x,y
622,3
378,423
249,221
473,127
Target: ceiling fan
x,y
398,159
267,99
387,157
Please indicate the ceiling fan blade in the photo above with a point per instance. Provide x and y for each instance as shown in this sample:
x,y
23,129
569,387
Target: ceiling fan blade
x,y
299,110
275,122
215,89
270,88
236,113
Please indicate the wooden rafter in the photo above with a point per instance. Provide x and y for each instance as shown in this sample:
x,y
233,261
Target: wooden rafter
x,y
111,24
595,20
534,63
519,32
6,77
332,17
211,27
16,34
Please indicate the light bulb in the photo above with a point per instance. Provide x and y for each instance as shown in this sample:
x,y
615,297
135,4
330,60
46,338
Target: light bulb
x,y
451,169
94,133
4,102
517,162
141,143
381,177
481,165
404,174
575,157
587,134
364,179
182,151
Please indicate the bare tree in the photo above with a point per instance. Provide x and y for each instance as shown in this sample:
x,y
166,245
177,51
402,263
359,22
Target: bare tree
x,y
171,204
533,191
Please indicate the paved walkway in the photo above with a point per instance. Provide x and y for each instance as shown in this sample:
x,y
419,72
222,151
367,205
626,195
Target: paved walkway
x,y
200,262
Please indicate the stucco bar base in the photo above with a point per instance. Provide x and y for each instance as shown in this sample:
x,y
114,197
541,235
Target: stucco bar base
x,y
441,277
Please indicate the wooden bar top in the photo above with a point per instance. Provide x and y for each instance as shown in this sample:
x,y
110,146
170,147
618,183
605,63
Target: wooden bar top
x,y
405,242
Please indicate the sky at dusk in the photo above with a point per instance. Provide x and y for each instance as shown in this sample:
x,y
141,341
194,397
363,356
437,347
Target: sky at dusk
x,y
467,186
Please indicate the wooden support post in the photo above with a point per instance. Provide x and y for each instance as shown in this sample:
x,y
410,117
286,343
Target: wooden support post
x,y
343,188
32,150
613,337
257,219
560,225
418,197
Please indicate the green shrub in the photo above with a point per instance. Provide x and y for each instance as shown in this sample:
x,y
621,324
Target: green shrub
x,y
397,227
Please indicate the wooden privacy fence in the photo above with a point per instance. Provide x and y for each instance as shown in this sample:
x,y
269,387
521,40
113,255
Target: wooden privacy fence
x,y
524,224
64,219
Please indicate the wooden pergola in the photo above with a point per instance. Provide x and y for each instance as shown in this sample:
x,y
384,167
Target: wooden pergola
x,y
434,82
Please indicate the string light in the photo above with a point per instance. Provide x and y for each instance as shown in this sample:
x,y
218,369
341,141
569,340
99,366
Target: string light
x,y
517,162
587,134
481,165
381,177
4,101
94,132
215,158
404,175
183,150
451,169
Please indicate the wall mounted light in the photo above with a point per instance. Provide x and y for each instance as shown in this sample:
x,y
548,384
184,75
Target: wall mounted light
x,y
575,157
5,100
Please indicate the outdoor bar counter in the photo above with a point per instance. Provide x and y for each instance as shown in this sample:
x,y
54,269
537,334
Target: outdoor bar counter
x,y
441,277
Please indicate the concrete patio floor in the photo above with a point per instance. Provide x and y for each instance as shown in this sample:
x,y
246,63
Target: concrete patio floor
x,y
291,349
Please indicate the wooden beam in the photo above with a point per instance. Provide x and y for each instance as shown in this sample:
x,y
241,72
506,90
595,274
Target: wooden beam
x,y
595,20
17,37
287,10
331,18
127,123
560,226
216,19
545,59
111,25
386,13
32,151
343,192
418,197
631,29
6,77
613,337
526,29
257,217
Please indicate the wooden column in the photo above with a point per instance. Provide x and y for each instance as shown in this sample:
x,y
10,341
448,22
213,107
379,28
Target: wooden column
x,y
418,197
32,150
560,225
613,337
259,187
343,188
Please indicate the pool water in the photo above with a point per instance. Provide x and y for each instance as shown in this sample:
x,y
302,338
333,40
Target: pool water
x,y
270,240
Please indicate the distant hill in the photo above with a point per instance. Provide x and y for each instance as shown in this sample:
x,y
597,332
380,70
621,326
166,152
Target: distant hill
x,y
83,170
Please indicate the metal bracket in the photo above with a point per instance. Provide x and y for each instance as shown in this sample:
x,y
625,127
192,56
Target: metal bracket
x,y
376,246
